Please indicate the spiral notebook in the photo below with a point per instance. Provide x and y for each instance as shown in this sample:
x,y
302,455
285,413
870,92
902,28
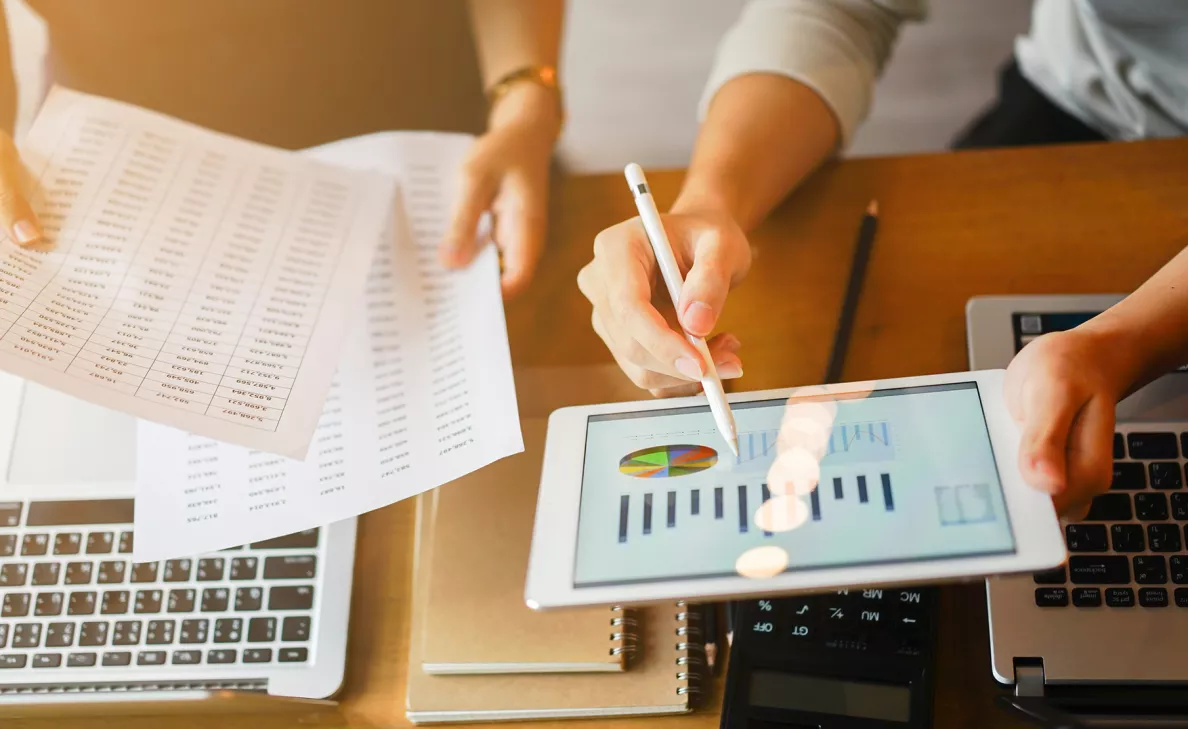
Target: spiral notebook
x,y
479,556
664,678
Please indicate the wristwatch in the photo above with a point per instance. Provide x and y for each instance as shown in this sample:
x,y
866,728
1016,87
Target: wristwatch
x,y
545,76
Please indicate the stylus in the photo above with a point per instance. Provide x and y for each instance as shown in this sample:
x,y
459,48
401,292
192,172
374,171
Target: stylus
x,y
673,280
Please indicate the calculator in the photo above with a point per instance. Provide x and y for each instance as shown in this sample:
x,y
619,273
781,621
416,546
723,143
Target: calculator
x,y
850,659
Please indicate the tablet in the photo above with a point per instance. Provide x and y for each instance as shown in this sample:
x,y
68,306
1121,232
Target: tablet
x,y
863,484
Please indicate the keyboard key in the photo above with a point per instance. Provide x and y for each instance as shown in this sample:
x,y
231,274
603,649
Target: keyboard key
x,y
307,539
1165,475
1150,507
150,658
194,630
186,658
244,568
248,599
210,570
59,635
35,545
78,573
215,599
1152,597
1127,537
47,660
111,573
1163,537
1128,476
1055,576
46,573
27,635
127,632
3,634
177,570
1179,570
295,629
9,660
126,542
81,603
93,634
1086,596
13,574
10,514
7,545
144,572
1179,506
67,543
261,630
1099,570
1150,570
80,660
99,543
148,602
291,598
1184,443
119,658
290,568
15,605
1152,446
228,630
1181,597
181,601
1109,507
257,655
1119,447
1086,538
48,605
293,655
159,632
223,655
1120,597
115,602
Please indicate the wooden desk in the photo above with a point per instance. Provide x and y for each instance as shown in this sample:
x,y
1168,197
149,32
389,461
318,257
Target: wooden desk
x,y
1092,218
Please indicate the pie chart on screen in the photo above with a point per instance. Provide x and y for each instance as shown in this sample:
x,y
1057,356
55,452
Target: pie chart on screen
x,y
668,461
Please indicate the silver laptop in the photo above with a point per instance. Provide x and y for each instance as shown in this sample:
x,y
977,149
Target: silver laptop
x,y
79,619
1118,613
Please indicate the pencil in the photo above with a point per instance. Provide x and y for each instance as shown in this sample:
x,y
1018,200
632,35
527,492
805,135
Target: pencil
x,y
845,320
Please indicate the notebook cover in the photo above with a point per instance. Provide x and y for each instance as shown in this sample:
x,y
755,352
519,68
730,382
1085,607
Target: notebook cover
x,y
476,572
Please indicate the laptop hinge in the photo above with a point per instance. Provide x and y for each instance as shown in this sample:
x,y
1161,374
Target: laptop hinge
x,y
1029,677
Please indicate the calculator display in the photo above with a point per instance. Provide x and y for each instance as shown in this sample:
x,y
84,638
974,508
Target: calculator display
x,y
859,699
823,481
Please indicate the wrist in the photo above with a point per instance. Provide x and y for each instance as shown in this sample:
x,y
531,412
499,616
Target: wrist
x,y
525,103
701,200
1115,351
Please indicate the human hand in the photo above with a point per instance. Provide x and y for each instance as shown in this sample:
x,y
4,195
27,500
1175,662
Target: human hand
x,y
506,172
714,255
1062,389
16,217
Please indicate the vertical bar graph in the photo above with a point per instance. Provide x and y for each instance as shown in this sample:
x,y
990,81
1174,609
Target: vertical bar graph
x,y
695,502
837,488
647,515
862,499
671,509
815,503
624,501
888,499
718,505
743,521
766,492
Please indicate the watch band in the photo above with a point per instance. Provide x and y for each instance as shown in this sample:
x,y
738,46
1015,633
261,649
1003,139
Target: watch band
x,y
545,76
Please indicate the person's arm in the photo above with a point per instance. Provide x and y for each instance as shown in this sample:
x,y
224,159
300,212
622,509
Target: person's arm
x,y
16,217
506,172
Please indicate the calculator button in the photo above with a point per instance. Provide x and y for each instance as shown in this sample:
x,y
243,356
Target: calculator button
x,y
78,573
48,604
1128,476
144,572
295,629
1149,446
1165,475
150,658
1120,597
1127,537
248,599
1163,537
1099,570
1152,597
1150,570
186,658
99,543
115,602
80,660
244,568
1086,596
34,545
59,635
47,660
210,570
1150,507
263,630
67,543
14,574
304,568
1087,537
1051,596
81,603
15,605
1109,507
1055,576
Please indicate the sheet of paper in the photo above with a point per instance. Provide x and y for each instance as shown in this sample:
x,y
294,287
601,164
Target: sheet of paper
x,y
187,277
424,392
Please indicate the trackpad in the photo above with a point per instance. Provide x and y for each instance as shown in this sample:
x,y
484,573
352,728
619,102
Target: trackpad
x,y
62,440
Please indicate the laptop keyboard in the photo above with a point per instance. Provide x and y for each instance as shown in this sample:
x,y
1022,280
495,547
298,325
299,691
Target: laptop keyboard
x,y
1132,548
70,596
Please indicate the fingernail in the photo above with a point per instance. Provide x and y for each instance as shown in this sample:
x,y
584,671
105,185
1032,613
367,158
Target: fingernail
x,y
730,370
689,368
699,318
25,232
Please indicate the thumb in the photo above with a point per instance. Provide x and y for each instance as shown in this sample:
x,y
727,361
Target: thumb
x,y
1050,408
704,294
16,217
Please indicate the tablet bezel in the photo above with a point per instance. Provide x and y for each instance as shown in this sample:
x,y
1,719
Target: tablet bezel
x,y
1039,543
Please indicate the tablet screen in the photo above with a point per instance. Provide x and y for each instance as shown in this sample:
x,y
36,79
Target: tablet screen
x,y
822,481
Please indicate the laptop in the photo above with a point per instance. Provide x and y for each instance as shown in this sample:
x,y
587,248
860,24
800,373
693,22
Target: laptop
x,y
1116,617
77,617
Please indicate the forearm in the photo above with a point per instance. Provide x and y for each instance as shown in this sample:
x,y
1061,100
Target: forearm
x,y
762,135
1146,334
8,90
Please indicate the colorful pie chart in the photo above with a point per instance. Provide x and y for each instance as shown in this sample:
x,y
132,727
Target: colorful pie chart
x,y
668,461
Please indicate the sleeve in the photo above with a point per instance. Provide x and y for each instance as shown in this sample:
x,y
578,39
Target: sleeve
x,y
835,47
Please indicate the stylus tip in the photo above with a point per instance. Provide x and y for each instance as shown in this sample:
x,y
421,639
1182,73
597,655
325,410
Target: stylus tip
x,y
732,441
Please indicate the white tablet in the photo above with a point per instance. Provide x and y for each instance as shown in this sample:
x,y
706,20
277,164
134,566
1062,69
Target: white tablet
x,y
877,483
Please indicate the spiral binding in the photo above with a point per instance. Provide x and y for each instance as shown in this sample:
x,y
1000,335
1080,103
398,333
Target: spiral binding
x,y
624,637
689,643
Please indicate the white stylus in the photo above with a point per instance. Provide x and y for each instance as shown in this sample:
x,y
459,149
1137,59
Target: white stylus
x,y
674,281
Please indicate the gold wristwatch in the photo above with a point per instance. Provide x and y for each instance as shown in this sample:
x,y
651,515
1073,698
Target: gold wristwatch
x,y
545,76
